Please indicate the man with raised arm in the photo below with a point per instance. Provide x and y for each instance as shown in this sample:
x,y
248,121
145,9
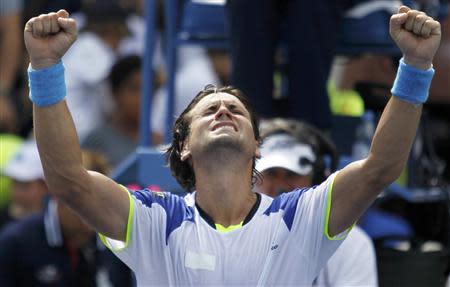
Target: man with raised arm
x,y
222,233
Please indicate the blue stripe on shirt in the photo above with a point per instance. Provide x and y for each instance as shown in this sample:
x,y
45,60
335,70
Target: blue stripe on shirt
x,y
176,209
288,203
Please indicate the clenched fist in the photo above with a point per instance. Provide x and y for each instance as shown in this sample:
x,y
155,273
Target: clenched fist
x,y
48,37
417,35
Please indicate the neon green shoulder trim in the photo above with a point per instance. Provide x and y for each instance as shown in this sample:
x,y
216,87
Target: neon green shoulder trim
x,y
327,217
223,229
129,226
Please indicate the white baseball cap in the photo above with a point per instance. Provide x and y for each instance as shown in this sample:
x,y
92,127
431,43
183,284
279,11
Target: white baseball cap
x,y
25,165
283,151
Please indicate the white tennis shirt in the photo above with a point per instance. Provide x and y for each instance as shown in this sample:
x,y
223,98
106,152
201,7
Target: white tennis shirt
x,y
284,243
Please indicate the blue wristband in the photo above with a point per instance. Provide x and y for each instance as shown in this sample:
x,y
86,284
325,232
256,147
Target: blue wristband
x,y
412,84
47,86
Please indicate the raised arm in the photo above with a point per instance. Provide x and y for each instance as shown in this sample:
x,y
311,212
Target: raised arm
x,y
97,199
357,185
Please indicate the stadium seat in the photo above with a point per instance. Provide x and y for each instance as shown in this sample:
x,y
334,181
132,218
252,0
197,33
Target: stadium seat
x,y
365,28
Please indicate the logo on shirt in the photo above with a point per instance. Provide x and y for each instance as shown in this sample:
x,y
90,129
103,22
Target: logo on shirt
x,y
159,193
200,260
274,247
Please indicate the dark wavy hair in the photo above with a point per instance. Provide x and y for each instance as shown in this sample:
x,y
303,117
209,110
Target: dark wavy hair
x,y
182,170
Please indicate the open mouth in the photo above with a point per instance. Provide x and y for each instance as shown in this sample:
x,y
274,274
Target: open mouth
x,y
224,125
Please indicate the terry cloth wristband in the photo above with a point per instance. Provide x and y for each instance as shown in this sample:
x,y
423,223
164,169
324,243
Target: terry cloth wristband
x,y
412,84
47,86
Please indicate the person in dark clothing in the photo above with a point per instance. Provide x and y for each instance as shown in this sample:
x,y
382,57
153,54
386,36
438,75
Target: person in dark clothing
x,y
309,29
56,248
35,251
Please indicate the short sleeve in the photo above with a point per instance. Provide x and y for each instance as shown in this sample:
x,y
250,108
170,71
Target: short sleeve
x,y
152,218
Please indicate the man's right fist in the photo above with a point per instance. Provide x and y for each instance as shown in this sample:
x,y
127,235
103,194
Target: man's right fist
x,y
48,37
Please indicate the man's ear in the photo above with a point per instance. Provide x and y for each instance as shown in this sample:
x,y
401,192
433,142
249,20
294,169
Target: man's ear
x,y
257,150
185,152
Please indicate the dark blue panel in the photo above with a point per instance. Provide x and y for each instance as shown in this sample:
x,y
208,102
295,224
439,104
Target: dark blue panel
x,y
288,203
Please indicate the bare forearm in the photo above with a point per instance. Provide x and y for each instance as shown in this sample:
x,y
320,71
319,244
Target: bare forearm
x,y
392,141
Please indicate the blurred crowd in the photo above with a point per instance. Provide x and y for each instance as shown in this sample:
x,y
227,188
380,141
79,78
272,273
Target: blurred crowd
x,y
295,75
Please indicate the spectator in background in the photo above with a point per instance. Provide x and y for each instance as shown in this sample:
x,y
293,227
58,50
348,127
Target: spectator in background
x,y
293,156
55,247
89,61
28,187
118,137
10,59
310,34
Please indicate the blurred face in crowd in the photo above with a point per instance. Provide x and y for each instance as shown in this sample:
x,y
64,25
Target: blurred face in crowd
x,y
221,121
278,180
27,197
128,98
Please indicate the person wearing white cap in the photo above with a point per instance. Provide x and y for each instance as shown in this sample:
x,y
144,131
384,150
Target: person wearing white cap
x,y
285,164
292,156
28,188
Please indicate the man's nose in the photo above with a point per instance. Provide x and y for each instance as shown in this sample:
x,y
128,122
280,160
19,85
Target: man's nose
x,y
223,112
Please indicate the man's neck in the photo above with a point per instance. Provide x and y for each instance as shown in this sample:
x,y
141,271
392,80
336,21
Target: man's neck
x,y
225,192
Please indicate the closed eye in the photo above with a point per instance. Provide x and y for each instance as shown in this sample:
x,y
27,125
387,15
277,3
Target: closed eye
x,y
236,110
210,110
